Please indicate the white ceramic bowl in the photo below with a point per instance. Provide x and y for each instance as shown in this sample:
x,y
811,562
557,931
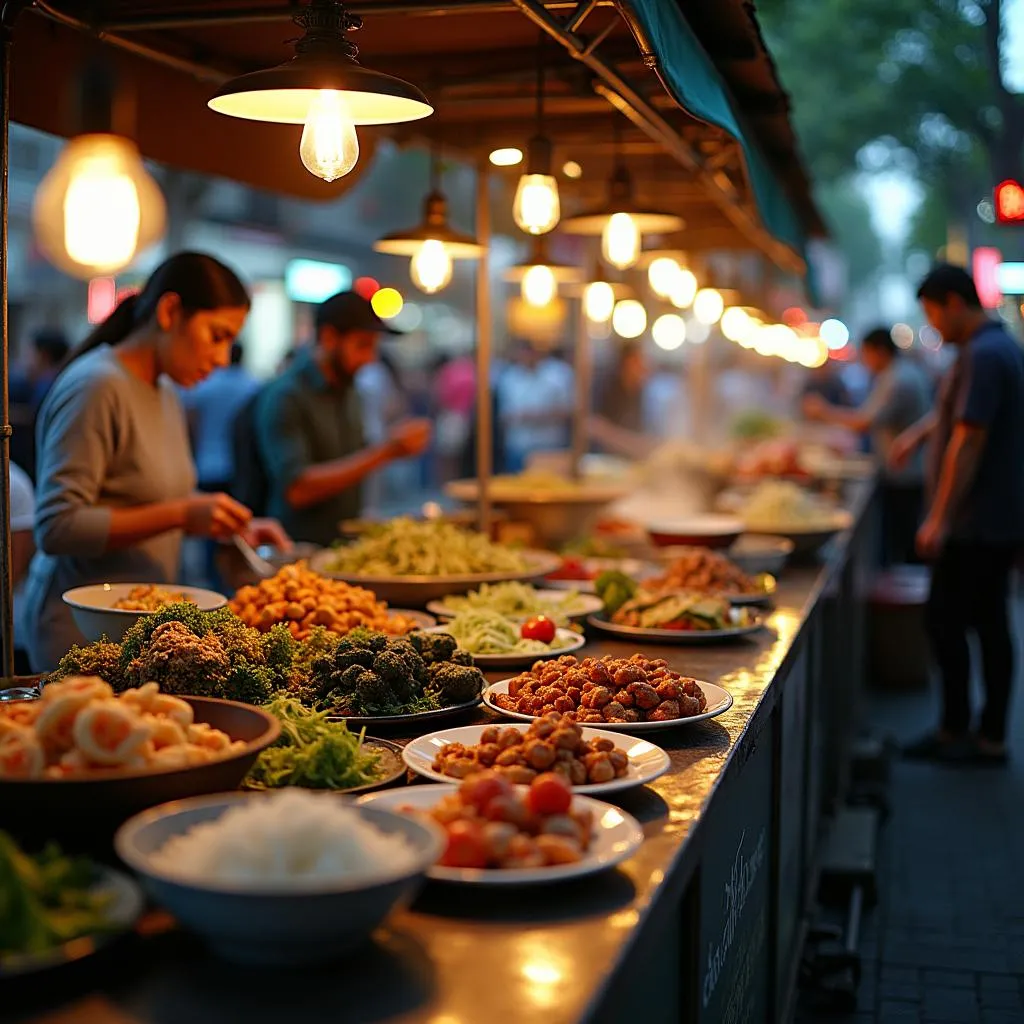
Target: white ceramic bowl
x,y
755,554
704,531
318,923
94,614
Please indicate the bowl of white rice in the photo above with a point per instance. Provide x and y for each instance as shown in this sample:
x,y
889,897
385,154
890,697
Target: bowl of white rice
x,y
285,878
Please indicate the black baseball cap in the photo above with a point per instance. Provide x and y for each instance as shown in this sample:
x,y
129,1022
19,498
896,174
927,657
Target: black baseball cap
x,y
349,311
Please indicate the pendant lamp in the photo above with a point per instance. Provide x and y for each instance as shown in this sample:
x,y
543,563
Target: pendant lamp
x,y
433,243
325,89
539,275
537,208
621,221
98,206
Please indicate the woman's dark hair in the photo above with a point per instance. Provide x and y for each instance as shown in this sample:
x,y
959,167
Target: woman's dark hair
x,y
880,339
945,280
200,281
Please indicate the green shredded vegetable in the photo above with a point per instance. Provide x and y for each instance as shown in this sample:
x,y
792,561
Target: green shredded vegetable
x,y
517,601
46,900
481,632
313,752
405,547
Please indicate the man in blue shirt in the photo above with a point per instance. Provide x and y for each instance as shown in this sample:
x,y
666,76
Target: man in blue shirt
x,y
975,523
309,425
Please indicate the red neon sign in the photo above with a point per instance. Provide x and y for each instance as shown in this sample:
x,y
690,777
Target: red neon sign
x,y
984,262
1009,202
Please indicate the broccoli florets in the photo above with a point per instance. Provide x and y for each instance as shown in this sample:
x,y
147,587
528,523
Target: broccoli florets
x,y
455,684
101,659
367,639
137,638
239,640
416,667
375,693
394,670
433,647
345,704
181,662
346,682
280,649
250,684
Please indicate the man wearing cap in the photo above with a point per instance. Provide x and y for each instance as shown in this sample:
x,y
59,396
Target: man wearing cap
x,y
309,425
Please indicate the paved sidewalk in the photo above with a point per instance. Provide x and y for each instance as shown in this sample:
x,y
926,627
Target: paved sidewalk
x,y
945,945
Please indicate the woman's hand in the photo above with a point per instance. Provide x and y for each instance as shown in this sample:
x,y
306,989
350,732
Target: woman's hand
x,y
267,531
215,515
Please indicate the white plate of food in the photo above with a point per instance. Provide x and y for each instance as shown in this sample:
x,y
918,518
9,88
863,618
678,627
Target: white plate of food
x,y
610,836
716,702
565,642
518,601
629,761
676,636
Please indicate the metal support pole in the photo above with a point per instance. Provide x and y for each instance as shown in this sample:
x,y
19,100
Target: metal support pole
x,y
584,365
484,424
8,13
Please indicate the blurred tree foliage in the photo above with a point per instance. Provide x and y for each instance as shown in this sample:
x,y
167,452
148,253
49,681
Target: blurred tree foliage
x,y
923,74
849,219
912,85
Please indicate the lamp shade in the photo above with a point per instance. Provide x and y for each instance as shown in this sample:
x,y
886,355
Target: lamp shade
x,y
324,61
620,200
433,227
284,95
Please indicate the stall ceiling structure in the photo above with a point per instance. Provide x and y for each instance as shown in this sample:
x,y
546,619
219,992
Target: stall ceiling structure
x,y
708,133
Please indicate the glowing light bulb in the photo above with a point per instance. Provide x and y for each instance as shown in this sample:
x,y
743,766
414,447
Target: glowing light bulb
x,y
629,318
684,289
599,302
538,287
708,306
97,207
329,147
536,208
662,275
669,332
431,267
620,243
736,324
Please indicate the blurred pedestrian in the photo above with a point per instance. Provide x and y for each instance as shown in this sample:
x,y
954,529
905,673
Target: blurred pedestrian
x,y
49,349
536,400
974,527
211,408
899,397
309,425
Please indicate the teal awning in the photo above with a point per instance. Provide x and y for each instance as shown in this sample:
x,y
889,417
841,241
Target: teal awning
x,y
695,84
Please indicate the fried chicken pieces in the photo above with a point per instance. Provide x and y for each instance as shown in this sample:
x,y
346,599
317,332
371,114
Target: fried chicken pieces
x,y
595,691
553,743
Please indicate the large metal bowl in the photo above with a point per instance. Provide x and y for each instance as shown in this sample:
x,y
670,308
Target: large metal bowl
x,y
416,591
555,516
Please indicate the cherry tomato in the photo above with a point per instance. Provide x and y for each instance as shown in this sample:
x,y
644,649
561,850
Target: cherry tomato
x,y
479,790
549,793
539,628
467,846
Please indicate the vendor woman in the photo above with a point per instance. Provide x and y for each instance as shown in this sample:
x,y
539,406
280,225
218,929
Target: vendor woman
x,y
115,479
